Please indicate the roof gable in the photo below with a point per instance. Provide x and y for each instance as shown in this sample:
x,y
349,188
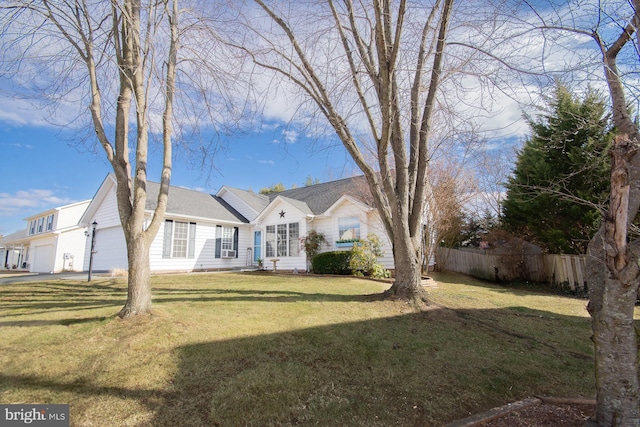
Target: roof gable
x,y
320,197
182,202
185,202
254,201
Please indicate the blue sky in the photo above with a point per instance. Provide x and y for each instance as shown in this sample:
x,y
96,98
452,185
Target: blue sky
x,y
43,168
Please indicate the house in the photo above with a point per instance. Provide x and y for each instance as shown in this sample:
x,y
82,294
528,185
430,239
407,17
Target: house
x,y
342,210
199,232
237,228
52,242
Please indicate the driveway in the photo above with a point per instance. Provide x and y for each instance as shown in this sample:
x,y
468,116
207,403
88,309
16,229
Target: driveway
x,y
6,278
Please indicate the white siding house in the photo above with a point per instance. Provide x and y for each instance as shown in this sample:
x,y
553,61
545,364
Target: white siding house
x,y
199,232
233,229
341,210
52,242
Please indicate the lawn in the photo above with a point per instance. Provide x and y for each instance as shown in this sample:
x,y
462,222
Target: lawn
x,y
261,349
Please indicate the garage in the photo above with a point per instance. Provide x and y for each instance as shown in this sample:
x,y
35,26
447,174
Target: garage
x,y
109,253
42,259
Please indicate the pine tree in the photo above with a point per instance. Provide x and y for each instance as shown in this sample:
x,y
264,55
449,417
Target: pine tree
x,y
561,174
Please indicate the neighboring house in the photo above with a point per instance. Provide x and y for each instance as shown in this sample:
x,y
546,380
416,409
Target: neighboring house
x,y
52,242
237,228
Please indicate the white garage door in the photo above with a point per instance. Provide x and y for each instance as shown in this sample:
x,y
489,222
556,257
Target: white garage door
x,y
110,250
42,259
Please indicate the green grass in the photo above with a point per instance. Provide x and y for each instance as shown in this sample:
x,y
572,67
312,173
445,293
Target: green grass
x,y
263,349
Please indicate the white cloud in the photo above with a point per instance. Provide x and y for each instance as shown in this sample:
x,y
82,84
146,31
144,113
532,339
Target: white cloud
x,y
266,162
24,202
290,136
18,145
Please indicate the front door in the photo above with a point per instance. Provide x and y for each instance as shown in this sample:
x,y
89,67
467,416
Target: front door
x,y
257,246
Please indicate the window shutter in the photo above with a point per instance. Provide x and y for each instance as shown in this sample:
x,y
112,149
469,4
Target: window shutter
x,y
168,231
218,241
191,248
235,240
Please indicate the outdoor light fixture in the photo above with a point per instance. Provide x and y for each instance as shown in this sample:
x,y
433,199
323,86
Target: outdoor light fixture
x,y
94,224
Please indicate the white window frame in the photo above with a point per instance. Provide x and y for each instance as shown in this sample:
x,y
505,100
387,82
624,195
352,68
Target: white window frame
x,y
50,222
282,240
178,244
347,224
226,238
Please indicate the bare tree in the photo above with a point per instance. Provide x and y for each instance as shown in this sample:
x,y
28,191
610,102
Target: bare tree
x,y
124,42
451,187
374,71
491,168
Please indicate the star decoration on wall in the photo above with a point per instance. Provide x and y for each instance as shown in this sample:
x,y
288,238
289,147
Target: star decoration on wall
x,y
282,214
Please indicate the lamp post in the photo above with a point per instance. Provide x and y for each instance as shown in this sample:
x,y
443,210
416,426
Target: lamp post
x,y
94,224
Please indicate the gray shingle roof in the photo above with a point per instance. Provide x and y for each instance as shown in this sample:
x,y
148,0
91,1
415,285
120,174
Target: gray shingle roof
x,y
9,238
320,197
193,203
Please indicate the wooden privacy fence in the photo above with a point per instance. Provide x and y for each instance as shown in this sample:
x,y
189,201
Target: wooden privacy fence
x,y
566,270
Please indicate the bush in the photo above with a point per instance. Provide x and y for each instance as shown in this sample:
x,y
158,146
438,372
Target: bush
x,y
364,258
336,262
312,244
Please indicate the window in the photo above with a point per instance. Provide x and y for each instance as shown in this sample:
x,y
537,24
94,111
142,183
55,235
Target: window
x,y
226,242
179,239
227,238
40,224
282,240
271,240
50,222
180,233
348,228
294,243
32,227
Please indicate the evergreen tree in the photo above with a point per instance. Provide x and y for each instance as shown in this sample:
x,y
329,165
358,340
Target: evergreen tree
x,y
561,174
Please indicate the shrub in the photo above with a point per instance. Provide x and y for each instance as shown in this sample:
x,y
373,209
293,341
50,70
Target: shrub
x,y
312,244
336,262
364,258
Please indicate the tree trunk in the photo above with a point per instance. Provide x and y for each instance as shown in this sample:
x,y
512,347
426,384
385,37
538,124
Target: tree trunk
x,y
139,287
408,272
616,354
613,287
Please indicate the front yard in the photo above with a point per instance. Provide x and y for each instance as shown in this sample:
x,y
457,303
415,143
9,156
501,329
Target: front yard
x,y
264,349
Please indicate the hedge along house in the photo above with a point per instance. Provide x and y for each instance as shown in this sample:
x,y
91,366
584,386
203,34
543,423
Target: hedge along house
x,y
342,210
236,228
200,232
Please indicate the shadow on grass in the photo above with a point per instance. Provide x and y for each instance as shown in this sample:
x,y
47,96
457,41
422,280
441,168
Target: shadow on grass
x,y
50,297
63,322
421,369
512,287
28,299
418,369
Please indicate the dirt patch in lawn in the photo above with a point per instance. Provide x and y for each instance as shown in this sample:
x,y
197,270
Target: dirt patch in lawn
x,y
545,414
